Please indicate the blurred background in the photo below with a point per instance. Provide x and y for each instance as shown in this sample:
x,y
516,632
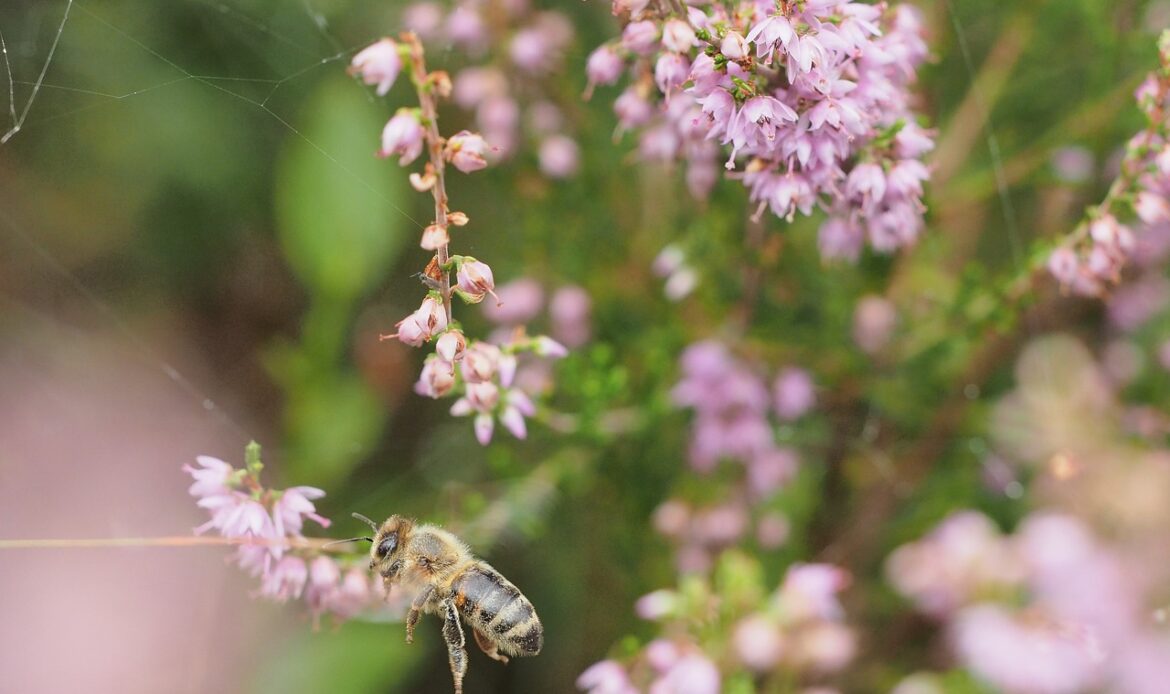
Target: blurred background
x,y
198,247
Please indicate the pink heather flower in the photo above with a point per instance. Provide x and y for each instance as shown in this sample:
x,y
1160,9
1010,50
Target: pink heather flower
x,y
353,594
605,677
795,394
212,480
322,586
1152,208
770,34
484,425
1073,164
840,239
826,646
532,51
734,46
294,505
480,361
692,674
420,326
466,28
757,124
378,64
640,37
632,109
671,71
873,323
451,345
285,580
810,591
437,377
772,530
474,85
517,302
912,142
475,280
1022,655
466,151
403,135
672,518
237,515
1064,265
678,36
604,66
680,284
544,346
867,183
483,397
771,470
758,643
569,311
656,605
423,18
499,117
559,156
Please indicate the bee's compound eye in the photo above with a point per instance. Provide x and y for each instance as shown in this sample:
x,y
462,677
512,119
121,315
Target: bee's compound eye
x,y
387,545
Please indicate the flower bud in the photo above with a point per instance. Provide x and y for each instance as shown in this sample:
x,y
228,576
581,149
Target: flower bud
x,y
545,346
403,135
480,361
640,37
678,36
559,156
378,64
734,47
451,345
465,150
434,237
1064,265
604,66
475,280
671,71
437,377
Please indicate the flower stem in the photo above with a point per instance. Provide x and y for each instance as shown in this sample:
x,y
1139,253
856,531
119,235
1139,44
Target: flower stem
x,y
430,119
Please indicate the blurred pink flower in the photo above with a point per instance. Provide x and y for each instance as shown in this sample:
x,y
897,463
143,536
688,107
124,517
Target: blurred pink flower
x,y
559,156
758,643
605,677
794,392
518,302
569,309
378,64
873,323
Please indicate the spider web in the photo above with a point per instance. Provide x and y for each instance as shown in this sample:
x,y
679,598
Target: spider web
x,y
42,103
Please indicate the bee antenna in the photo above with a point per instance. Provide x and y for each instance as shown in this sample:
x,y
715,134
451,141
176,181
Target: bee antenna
x,y
368,522
342,542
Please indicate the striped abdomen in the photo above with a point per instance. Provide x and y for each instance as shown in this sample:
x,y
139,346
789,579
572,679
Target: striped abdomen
x,y
498,611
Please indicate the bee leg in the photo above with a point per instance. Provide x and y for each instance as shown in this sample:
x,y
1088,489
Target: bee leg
x,y
453,635
420,601
485,644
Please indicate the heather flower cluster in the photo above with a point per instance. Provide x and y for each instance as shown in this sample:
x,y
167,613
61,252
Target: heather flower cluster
x,y
736,415
517,53
1073,600
1091,260
268,525
479,374
795,632
807,102
1049,609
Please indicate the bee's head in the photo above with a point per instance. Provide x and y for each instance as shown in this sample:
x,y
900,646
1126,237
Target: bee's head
x,y
388,540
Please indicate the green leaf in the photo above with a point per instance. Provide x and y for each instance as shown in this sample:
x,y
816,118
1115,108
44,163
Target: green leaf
x,y
338,206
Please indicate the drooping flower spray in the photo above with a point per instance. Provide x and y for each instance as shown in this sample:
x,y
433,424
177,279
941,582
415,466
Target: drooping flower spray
x,y
483,383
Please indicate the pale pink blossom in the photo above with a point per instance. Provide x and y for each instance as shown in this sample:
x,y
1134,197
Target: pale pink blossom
x,y
378,64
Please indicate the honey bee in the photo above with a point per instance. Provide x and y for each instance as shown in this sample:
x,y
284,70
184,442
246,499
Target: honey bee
x,y
447,580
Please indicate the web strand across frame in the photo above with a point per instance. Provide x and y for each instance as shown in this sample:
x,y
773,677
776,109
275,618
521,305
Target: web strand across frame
x,y
18,122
